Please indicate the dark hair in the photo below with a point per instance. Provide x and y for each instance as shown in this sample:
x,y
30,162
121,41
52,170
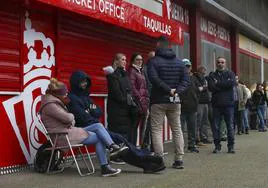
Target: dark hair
x,y
220,57
241,82
163,41
258,84
133,57
264,83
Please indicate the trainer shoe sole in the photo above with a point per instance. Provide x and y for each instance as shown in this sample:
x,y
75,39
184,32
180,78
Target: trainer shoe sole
x,y
112,174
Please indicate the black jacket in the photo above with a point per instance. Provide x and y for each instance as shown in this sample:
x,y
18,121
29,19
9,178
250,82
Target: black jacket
x,y
259,98
189,98
221,84
203,96
119,112
166,72
81,104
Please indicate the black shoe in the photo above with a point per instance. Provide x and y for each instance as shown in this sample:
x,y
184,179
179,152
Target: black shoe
x,y
193,149
224,139
206,141
217,149
231,150
117,151
246,130
178,164
107,170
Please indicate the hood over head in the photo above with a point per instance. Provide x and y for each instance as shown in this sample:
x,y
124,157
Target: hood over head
x,y
75,80
166,53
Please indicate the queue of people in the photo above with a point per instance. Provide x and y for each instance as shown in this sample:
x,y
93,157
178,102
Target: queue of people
x,y
142,95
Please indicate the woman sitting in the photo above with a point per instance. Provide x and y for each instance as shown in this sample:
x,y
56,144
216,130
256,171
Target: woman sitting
x,y
56,118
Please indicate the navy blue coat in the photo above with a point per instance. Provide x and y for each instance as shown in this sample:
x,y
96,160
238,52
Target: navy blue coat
x,y
166,72
221,84
81,104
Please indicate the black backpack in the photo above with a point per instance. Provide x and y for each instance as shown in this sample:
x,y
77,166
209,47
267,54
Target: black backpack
x,y
42,157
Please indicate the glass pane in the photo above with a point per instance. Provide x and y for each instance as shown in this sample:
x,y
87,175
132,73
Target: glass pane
x,y
250,69
183,51
209,53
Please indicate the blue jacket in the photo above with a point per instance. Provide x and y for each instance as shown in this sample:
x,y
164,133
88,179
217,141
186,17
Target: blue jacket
x,y
221,84
81,104
166,72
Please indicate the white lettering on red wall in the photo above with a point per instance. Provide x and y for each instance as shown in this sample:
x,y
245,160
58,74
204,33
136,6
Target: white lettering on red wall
x,y
103,6
214,30
157,26
126,15
179,13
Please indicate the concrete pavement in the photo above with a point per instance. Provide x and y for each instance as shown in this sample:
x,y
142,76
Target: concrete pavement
x,y
248,168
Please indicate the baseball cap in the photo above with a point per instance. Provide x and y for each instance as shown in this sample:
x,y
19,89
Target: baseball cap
x,y
187,62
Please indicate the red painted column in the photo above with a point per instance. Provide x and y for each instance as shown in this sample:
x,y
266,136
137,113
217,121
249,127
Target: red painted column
x,y
234,40
195,37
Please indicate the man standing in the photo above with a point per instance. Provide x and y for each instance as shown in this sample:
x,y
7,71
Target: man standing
x,y
202,110
169,79
189,103
221,84
241,106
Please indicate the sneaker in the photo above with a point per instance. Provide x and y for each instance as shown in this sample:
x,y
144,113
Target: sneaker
x,y
193,150
165,153
178,164
224,139
117,151
117,161
107,170
206,141
246,130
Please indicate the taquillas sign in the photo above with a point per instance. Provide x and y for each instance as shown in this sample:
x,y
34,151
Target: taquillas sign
x,y
125,15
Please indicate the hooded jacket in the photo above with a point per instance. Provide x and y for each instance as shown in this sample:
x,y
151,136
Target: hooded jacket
x,y
166,72
56,118
81,104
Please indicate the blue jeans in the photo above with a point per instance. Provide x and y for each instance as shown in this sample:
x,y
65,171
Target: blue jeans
x,y
101,132
245,118
260,112
100,147
98,136
228,115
